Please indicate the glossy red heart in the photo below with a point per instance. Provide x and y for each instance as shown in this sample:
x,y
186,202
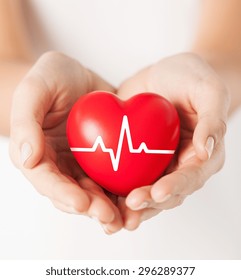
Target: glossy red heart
x,y
123,145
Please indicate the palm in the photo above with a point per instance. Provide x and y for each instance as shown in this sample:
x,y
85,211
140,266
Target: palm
x,y
58,153
57,82
194,89
60,159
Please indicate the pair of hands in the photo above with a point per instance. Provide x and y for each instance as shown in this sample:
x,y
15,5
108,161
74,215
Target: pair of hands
x,y
39,147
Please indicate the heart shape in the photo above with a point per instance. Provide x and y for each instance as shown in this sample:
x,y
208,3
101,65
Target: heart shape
x,y
120,144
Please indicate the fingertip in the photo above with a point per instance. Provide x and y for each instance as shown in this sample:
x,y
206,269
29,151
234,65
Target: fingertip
x,y
26,147
139,198
160,197
132,221
114,226
101,211
109,217
204,149
209,131
202,141
79,201
65,190
160,192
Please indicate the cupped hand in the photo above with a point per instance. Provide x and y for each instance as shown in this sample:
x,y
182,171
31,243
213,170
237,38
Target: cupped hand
x,y
38,143
202,102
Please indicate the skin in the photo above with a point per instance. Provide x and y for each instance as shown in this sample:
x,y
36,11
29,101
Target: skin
x,y
202,104
203,87
16,56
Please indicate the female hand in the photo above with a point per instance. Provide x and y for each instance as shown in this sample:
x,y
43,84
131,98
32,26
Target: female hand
x,y
202,102
38,143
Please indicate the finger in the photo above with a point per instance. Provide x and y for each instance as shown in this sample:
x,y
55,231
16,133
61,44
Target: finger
x,y
45,87
155,209
139,198
64,208
183,181
131,219
101,207
211,103
49,182
114,226
172,202
30,103
110,228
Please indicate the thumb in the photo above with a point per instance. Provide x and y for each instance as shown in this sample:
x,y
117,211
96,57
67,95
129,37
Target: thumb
x,y
212,109
208,132
26,146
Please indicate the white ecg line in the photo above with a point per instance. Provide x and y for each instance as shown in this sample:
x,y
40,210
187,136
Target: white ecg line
x,y
115,159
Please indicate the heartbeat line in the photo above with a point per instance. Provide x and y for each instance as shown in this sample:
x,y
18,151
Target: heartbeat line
x,y
115,159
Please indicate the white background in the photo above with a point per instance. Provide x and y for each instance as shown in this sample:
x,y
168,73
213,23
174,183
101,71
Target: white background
x,y
115,39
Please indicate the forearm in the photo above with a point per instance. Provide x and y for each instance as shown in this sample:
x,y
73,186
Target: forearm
x,y
218,41
16,55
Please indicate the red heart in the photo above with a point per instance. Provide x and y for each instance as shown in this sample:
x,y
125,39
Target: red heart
x,y
123,145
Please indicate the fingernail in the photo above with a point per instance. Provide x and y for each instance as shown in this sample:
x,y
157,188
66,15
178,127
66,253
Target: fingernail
x,y
209,146
141,206
106,230
26,152
135,203
161,198
104,226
